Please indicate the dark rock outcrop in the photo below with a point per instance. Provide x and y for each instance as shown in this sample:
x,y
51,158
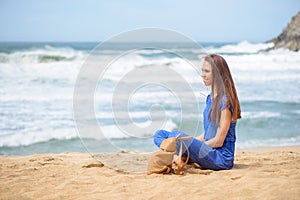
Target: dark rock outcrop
x,y
290,37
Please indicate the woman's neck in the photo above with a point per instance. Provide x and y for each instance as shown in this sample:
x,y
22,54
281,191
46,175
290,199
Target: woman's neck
x,y
214,92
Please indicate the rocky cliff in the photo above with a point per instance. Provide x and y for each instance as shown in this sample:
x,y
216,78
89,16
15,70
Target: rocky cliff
x,y
290,37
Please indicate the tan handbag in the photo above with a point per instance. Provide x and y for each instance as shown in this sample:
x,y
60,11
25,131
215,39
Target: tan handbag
x,y
161,161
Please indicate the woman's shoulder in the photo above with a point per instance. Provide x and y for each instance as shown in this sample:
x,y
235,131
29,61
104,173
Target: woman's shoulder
x,y
224,98
224,102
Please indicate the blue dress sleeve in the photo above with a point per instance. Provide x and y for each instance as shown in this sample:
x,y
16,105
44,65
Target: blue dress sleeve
x,y
224,103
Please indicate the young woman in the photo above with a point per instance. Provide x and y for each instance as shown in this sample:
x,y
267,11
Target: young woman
x,y
214,149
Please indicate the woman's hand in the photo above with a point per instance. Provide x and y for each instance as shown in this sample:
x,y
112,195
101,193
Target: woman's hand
x,y
200,137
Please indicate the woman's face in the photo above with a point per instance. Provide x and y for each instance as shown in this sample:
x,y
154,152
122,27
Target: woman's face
x,y
207,73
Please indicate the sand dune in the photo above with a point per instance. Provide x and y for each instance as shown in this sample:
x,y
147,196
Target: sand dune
x,y
263,174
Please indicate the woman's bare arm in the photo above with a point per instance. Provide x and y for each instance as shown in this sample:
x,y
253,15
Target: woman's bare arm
x,y
222,131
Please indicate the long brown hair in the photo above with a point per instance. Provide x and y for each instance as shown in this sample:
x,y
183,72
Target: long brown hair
x,y
222,85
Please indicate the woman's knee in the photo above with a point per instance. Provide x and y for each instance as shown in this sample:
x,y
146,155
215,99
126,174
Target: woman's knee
x,y
159,136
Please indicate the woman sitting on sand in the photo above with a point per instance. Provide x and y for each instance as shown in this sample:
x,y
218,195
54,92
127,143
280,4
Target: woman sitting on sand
x,y
213,149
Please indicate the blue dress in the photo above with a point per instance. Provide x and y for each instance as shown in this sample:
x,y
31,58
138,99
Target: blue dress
x,y
206,156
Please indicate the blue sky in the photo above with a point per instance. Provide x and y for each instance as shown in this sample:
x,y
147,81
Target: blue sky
x,y
96,20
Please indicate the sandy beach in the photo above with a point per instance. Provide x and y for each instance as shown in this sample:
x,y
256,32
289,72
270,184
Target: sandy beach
x,y
257,174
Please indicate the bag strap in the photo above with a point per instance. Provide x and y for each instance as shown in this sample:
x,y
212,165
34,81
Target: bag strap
x,y
179,166
184,138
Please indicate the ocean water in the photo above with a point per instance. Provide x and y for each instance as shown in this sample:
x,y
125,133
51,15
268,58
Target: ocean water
x,y
37,96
